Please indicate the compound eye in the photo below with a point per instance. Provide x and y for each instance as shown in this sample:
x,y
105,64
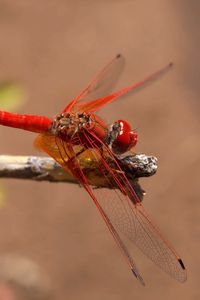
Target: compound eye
x,y
124,139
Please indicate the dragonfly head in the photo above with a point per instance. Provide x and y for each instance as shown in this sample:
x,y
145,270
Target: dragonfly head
x,y
122,137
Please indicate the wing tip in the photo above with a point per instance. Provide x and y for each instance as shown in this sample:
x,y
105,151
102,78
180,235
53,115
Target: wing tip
x,y
118,55
181,263
183,274
138,276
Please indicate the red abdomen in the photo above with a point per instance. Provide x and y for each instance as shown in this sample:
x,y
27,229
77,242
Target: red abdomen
x,y
32,123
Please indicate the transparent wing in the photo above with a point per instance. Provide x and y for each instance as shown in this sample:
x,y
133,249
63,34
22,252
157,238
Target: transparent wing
x,y
129,218
93,97
120,208
94,105
101,84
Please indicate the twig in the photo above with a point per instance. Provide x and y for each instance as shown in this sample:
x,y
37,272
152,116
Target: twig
x,y
46,169
32,167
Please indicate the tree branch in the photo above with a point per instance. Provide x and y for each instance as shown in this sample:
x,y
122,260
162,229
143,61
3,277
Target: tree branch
x,y
46,169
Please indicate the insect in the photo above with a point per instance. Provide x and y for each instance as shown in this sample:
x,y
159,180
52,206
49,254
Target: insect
x,y
78,137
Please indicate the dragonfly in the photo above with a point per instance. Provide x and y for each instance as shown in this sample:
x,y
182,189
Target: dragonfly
x,y
77,137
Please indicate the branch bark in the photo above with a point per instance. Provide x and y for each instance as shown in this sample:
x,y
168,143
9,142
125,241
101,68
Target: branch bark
x,y
46,169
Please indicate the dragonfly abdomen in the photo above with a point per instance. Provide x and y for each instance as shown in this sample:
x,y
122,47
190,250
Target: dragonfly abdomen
x,y
32,123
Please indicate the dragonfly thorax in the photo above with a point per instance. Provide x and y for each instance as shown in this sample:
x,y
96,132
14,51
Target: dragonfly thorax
x,y
71,123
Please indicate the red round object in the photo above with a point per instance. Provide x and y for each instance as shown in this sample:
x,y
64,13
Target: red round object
x,y
126,138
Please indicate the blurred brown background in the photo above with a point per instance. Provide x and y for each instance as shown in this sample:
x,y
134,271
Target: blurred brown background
x,y
53,48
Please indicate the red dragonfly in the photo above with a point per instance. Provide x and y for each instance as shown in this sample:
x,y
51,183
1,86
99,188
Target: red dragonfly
x,y
76,137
